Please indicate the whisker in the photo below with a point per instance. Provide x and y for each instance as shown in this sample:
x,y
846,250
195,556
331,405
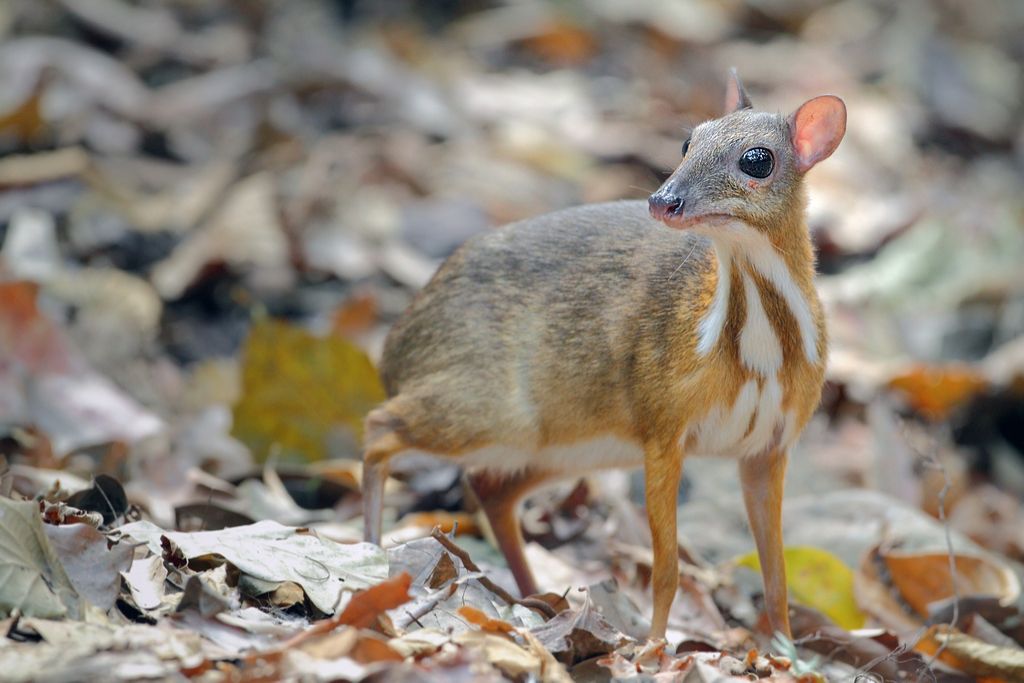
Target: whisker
x,y
692,249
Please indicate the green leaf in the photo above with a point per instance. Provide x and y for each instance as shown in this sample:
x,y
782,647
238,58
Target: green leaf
x,y
299,390
818,579
32,579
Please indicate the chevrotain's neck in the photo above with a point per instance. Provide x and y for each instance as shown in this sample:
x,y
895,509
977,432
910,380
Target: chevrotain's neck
x,y
793,243
748,261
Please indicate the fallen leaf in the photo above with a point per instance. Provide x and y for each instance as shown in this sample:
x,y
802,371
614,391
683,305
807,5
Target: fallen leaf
x,y
286,595
29,337
818,579
621,612
372,647
935,391
562,43
501,653
202,595
486,623
576,634
444,571
94,570
145,581
43,167
245,232
365,606
924,578
272,552
884,575
300,390
973,656
356,315
424,641
30,247
818,634
106,496
459,523
208,517
32,578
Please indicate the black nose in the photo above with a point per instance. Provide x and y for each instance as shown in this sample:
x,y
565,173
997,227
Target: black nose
x,y
664,204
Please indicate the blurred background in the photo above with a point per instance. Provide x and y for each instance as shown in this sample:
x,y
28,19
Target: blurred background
x,y
209,209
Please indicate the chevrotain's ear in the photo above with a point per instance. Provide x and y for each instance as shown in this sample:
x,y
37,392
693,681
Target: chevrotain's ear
x,y
735,96
815,129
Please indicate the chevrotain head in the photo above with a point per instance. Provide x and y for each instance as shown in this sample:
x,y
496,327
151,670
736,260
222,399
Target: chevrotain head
x,y
748,164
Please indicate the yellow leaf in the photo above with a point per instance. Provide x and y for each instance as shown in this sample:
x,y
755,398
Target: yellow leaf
x,y
301,391
818,579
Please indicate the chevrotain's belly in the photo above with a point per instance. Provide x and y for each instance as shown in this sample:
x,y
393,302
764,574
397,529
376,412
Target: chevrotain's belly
x,y
603,452
754,423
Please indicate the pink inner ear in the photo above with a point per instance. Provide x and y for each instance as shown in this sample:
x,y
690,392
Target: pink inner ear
x,y
817,127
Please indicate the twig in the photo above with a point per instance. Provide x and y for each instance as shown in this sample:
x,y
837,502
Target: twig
x,y
468,563
429,605
932,461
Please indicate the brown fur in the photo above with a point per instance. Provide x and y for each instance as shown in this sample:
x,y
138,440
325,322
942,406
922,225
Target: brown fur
x,y
584,323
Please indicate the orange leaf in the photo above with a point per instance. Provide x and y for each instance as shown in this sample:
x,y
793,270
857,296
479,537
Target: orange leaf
x,y
356,314
463,523
934,391
28,336
369,649
26,120
562,43
367,605
486,623
924,578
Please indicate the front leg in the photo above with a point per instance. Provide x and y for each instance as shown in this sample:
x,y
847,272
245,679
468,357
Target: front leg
x,y
662,470
763,477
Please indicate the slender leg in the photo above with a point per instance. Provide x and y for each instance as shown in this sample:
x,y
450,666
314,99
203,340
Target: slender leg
x,y
662,470
763,478
375,472
499,495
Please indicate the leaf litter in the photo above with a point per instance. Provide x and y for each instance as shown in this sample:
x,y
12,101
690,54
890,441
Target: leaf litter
x,y
210,216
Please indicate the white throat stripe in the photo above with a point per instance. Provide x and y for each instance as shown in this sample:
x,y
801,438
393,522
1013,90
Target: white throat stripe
x,y
759,347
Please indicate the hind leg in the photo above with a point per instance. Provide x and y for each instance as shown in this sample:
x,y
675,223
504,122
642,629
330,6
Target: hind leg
x,y
382,442
499,495
415,420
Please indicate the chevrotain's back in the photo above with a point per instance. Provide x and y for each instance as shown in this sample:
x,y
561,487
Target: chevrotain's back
x,y
564,295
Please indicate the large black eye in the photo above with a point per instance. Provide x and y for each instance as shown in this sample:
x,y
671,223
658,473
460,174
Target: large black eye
x,y
686,146
757,162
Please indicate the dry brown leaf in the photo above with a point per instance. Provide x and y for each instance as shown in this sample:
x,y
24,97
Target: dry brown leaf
x,y
332,645
93,568
355,315
924,578
973,656
886,581
575,635
26,335
26,121
486,623
42,167
444,571
935,391
286,595
372,647
367,605
562,43
501,653
461,523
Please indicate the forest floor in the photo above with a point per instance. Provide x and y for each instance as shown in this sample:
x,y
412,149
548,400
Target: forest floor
x,y
211,213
